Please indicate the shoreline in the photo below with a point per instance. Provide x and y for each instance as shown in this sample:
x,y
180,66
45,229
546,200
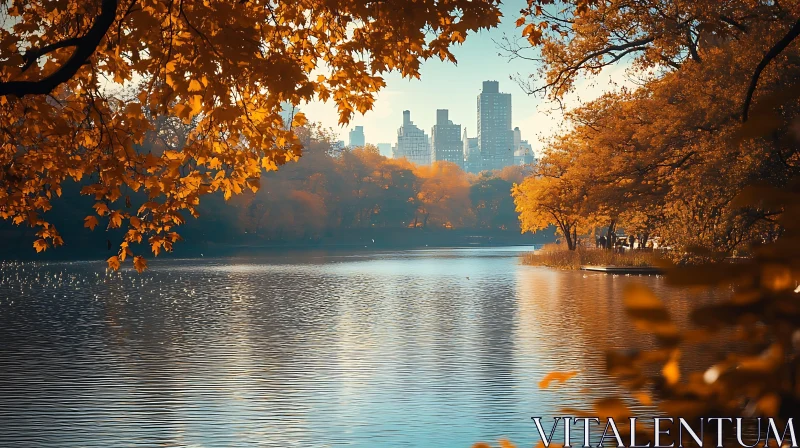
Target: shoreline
x,y
389,241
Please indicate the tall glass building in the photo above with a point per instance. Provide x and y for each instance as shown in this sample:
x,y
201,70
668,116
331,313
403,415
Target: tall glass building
x,y
412,142
357,137
446,140
472,157
495,137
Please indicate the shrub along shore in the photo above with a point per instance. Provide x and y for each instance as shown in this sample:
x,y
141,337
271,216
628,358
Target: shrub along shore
x,y
558,256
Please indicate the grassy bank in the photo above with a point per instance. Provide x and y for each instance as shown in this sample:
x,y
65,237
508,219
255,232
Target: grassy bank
x,y
557,256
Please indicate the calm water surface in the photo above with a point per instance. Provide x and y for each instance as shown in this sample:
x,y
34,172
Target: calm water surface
x,y
428,348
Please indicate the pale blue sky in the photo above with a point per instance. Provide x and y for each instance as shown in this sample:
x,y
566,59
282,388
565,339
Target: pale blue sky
x,y
455,87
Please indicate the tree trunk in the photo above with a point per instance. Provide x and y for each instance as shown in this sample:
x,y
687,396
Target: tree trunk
x,y
611,234
568,236
574,237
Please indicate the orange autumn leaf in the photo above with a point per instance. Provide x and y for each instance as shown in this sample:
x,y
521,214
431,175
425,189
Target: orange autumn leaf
x,y
90,222
671,370
643,398
139,263
113,263
560,377
40,245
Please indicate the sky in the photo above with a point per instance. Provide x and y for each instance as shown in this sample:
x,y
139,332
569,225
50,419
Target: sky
x,y
444,85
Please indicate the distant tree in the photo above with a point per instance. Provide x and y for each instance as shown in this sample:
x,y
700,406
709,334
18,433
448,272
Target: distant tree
x,y
492,203
443,195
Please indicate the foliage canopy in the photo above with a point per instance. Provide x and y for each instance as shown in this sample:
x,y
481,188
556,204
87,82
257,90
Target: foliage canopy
x,y
84,86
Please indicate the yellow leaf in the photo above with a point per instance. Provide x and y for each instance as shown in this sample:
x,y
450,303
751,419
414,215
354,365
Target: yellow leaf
x,y
268,164
195,86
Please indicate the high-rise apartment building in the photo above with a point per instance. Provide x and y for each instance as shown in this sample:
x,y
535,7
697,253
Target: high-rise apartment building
x,y
472,157
523,151
446,141
495,137
412,142
524,154
357,137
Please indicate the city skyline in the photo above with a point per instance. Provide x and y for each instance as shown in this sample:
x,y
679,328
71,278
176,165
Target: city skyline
x,y
444,85
496,146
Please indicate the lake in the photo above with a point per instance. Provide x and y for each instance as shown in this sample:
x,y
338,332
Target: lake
x,y
423,348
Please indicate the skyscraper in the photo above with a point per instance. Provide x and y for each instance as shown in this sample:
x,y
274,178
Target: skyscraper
x,y
412,142
472,157
357,137
523,155
495,137
523,151
446,140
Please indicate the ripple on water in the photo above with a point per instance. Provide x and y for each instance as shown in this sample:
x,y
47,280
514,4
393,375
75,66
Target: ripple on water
x,y
399,349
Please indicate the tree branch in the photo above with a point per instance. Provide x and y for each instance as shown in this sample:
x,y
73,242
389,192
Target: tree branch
x,y
84,48
734,23
31,56
771,54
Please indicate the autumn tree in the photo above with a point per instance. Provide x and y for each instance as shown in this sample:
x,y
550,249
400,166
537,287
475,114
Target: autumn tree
x,y
492,202
544,201
81,84
711,147
398,183
670,156
581,37
443,195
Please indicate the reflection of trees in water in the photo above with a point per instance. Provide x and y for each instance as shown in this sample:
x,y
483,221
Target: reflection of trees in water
x,y
568,320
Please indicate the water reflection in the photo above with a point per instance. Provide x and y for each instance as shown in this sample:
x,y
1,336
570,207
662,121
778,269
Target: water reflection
x,y
399,349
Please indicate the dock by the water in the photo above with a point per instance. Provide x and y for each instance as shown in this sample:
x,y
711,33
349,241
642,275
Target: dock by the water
x,y
623,270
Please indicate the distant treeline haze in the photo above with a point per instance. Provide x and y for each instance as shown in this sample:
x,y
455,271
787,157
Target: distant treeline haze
x,y
327,192
358,188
